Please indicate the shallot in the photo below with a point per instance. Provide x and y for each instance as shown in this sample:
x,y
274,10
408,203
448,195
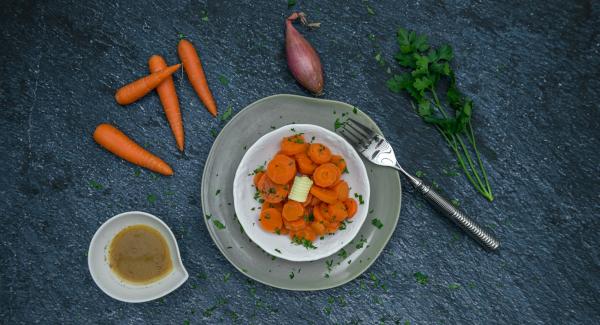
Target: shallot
x,y
302,59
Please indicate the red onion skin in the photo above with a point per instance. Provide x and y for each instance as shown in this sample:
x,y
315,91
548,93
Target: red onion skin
x,y
303,61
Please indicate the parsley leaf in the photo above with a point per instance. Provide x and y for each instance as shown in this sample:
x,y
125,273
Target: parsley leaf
x,y
421,278
218,224
377,223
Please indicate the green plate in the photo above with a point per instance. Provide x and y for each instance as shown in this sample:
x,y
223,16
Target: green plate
x,y
226,153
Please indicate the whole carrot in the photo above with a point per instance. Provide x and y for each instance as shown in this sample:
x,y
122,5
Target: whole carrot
x,y
139,88
168,98
193,67
115,141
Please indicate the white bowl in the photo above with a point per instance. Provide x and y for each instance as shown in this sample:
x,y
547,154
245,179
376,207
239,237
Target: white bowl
x,y
243,194
105,278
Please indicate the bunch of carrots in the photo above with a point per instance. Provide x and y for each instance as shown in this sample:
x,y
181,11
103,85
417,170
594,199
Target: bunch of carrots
x,y
160,78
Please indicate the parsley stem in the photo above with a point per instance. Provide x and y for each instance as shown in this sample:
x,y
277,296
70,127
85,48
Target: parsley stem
x,y
471,137
469,160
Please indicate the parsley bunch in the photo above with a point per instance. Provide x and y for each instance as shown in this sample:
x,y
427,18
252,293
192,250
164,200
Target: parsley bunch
x,y
426,67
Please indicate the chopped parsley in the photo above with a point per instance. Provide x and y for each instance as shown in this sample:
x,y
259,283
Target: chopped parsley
x,y
218,191
277,250
137,173
360,198
304,242
226,277
204,15
292,275
419,173
208,216
377,223
361,242
455,202
454,286
151,198
213,133
95,185
223,80
218,224
291,3
342,253
421,278
355,110
227,114
342,225
338,124
345,171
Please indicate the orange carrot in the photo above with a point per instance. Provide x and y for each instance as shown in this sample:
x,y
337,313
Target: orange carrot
x,y
292,210
325,195
139,88
319,153
115,141
342,189
271,192
319,228
306,233
295,225
338,211
257,177
193,67
333,227
293,145
270,220
281,169
339,162
305,165
351,206
168,98
269,205
326,175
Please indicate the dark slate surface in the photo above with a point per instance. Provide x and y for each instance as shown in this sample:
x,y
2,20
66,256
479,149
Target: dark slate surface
x,y
531,67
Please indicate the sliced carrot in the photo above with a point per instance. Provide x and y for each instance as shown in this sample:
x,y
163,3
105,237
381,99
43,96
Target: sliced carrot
x,y
351,206
324,207
324,194
283,231
270,220
333,227
292,210
339,162
269,205
306,233
338,211
305,165
326,175
319,153
319,228
291,233
281,169
296,224
293,145
271,192
257,177
139,88
308,201
315,201
342,190
115,141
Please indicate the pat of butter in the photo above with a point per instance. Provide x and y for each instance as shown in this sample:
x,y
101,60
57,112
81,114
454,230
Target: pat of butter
x,y
300,188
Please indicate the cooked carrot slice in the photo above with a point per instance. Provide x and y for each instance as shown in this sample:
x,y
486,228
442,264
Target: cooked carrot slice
x,y
319,153
351,206
283,231
326,175
337,211
324,207
292,210
315,201
325,195
332,227
269,205
319,228
296,225
281,169
257,177
318,214
339,162
308,201
306,233
305,165
270,220
293,145
271,192
342,190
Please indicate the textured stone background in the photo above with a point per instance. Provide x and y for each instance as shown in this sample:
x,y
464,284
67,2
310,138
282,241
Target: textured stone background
x,y
532,68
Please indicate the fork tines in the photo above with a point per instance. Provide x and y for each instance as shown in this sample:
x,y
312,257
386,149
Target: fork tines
x,y
357,133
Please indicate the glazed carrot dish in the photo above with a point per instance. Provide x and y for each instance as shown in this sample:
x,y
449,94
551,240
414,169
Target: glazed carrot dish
x,y
302,192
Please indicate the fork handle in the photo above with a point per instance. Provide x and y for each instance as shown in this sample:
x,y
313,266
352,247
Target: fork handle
x,y
442,204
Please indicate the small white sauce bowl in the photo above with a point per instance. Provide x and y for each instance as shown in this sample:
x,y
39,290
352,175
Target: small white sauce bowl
x,y
110,283
247,208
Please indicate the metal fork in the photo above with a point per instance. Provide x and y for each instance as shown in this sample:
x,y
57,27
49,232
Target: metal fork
x,y
379,151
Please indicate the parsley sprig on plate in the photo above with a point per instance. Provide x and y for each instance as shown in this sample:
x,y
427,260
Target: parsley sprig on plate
x,y
425,68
